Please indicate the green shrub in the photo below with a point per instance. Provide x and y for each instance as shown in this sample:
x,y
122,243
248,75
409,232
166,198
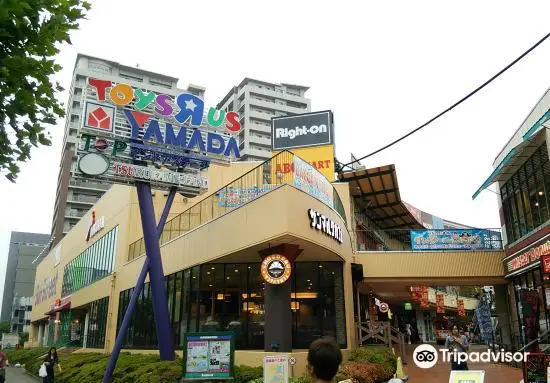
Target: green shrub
x,y
301,379
365,372
244,374
24,355
376,355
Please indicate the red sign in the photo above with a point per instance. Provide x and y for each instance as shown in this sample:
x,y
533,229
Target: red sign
x,y
416,293
546,263
424,301
440,300
530,256
460,307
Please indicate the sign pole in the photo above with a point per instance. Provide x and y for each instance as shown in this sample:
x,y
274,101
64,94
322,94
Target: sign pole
x,y
156,273
135,294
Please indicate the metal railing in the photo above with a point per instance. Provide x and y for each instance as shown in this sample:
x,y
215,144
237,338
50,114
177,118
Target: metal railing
x,y
373,239
264,178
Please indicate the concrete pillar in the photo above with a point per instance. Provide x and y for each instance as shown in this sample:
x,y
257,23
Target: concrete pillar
x,y
41,334
502,302
278,314
86,323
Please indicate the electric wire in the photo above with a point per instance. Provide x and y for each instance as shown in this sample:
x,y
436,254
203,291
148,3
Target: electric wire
x,y
494,77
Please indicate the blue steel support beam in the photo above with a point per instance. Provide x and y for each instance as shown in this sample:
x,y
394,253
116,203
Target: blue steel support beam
x,y
135,294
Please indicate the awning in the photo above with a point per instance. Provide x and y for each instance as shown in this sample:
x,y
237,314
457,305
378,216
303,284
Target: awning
x,y
60,305
514,159
378,191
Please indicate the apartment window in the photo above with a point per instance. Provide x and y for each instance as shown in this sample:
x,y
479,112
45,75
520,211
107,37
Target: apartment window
x,y
130,77
95,263
524,196
162,85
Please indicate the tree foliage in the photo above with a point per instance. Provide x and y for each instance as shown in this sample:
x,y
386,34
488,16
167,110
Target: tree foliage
x,y
31,32
5,327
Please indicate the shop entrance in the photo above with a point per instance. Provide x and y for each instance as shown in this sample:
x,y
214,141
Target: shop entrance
x,y
426,314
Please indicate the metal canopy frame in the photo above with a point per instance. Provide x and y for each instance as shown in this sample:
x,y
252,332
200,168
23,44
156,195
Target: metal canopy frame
x,y
378,190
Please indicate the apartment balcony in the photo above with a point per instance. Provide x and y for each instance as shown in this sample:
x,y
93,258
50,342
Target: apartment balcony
x,y
89,185
276,94
259,140
75,214
259,128
82,199
277,106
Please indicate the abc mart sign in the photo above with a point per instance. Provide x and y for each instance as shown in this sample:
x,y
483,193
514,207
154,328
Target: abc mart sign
x,y
302,130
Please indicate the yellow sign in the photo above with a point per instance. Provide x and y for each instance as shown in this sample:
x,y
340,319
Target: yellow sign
x,y
467,377
320,157
275,269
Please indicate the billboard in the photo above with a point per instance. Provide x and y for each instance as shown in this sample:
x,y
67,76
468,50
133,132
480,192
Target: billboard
x,y
208,356
467,239
127,135
302,130
309,180
320,157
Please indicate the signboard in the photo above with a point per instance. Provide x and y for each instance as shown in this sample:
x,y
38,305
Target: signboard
x,y
408,306
128,135
208,356
383,307
467,377
460,307
535,368
234,197
320,157
45,290
95,226
276,369
309,180
440,303
546,264
424,300
9,340
275,269
322,223
302,130
463,239
528,257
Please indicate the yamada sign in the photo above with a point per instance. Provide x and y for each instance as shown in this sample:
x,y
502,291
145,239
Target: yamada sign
x,y
161,128
303,130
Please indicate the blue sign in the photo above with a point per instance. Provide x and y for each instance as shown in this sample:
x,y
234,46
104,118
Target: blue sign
x,y
460,239
234,197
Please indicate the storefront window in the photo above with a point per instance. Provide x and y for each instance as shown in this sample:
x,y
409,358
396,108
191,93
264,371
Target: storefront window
x,y
524,198
255,306
221,297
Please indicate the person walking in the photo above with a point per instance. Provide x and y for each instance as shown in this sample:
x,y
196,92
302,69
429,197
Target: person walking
x,y
323,359
3,364
50,361
457,343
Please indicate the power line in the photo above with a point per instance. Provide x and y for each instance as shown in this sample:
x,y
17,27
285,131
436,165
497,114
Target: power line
x,y
455,104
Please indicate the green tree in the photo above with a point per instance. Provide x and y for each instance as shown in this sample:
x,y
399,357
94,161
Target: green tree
x,y
5,327
23,337
31,32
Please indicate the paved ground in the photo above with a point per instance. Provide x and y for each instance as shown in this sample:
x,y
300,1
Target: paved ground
x,y
18,375
494,373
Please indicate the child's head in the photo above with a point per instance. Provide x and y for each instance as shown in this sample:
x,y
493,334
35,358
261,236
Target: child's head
x,y
324,358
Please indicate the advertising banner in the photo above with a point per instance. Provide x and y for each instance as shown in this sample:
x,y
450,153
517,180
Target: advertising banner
x,y
208,356
483,316
424,301
276,369
234,197
320,157
309,180
462,239
440,303
460,307
416,293
302,130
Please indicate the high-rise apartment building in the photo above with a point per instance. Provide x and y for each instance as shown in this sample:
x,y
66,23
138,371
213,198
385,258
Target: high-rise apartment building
x,y
75,197
256,102
20,276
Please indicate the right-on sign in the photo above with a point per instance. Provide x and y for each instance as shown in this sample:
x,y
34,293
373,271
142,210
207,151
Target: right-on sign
x,y
303,130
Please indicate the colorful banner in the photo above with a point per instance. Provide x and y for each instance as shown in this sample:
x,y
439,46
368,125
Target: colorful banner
x,y
484,321
309,180
470,239
440,302
460,307
320,157
234,197
424,301
208,356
